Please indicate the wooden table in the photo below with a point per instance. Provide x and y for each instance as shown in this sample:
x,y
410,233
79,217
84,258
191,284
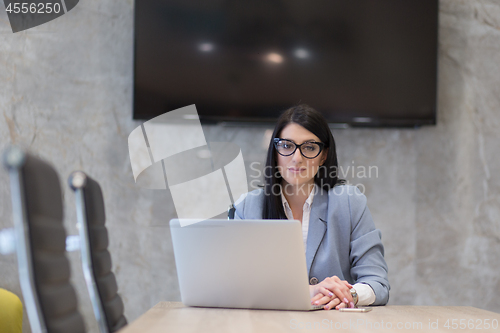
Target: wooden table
x,y
175,317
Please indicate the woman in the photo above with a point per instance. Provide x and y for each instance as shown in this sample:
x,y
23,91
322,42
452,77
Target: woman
x,y
344,252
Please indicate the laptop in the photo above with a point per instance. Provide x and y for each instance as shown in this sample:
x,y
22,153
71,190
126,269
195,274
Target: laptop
x,y
249,264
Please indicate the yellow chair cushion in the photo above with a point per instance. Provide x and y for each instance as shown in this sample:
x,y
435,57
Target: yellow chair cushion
x,y
11,313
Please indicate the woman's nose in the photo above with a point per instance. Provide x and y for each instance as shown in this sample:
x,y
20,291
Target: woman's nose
x,y
297,156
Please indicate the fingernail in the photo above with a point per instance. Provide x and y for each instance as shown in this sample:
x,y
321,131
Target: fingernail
x,y
346,301
351,305
326,307
317,302
330,294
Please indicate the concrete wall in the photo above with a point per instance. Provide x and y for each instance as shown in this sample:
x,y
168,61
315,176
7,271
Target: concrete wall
x,y
65,92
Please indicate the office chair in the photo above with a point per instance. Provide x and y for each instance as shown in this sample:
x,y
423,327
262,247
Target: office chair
x,y
230,212
44,270
96,260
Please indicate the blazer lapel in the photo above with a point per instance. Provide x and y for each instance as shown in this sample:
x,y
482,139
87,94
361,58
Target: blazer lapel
x,y
317,226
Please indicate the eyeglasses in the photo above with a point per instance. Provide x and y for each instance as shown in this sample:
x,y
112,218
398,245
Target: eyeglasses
x,y
307,149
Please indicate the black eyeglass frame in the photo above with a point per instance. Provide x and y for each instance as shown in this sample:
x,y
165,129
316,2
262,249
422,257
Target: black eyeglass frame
x,y
297,146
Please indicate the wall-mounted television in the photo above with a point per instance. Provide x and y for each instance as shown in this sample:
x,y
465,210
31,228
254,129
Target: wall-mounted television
x,y
360,62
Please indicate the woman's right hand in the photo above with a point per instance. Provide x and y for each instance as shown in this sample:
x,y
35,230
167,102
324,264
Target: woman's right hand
x,y
333,292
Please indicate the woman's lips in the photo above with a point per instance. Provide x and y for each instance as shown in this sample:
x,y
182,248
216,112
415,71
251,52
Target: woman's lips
x,y
296,170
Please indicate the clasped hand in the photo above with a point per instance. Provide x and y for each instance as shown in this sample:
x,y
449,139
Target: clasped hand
x,y
333,293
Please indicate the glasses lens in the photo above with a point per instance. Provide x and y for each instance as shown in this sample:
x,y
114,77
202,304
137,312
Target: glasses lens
x,y
285,147
310,150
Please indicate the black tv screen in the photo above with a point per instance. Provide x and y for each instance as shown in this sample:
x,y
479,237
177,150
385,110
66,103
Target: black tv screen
x,y
360,62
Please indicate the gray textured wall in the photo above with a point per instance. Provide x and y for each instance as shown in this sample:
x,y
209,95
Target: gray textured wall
x,y
65,92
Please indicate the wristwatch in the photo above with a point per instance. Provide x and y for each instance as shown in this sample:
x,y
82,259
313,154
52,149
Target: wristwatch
x,y
354,295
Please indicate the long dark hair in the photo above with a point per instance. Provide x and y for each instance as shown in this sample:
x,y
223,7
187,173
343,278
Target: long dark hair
x,y
327,176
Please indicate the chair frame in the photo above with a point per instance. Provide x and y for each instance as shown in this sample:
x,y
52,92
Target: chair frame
x,y
14,160
77,182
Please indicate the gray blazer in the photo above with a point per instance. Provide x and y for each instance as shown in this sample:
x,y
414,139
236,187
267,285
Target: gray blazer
x,y
342,239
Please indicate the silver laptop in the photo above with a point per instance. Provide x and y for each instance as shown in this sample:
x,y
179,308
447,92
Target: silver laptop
x,y
251,264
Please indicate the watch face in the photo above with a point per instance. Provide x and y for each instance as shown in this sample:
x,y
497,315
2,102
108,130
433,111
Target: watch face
x,y
354,295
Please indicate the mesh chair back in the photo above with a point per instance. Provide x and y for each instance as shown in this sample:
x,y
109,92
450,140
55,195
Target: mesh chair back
x,y
96,260
44,269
